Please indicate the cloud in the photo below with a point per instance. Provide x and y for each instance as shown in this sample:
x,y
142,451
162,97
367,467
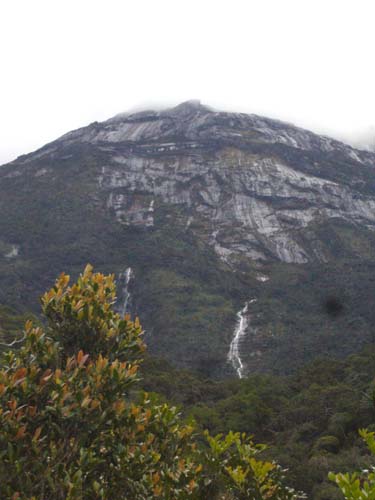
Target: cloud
x,y
66,66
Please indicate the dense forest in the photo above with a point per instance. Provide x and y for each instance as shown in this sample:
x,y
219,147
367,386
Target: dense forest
x,y
309,421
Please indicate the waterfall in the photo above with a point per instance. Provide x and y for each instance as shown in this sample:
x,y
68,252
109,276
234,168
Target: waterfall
x,y
239,332
125,278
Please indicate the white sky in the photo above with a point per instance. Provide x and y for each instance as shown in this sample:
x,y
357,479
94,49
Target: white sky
x,y
67,63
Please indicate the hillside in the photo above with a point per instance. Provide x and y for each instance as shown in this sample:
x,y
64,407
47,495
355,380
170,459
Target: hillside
x,y
211,212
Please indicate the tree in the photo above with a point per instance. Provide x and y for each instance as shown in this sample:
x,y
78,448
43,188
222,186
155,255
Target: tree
x,y
73,426
358,485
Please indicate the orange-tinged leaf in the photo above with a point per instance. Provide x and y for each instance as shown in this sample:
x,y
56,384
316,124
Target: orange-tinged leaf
x,y
79,305
28,325
95,403
46,376
119,406
83,360
132,370
70,363
37,433
58,374
135,411
88,271
192,485
12,404
181,464
86,401
21,432
19,374
19,414
63,280
32,411
157,490
155,477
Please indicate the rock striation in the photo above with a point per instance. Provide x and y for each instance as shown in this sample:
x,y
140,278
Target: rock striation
x,y
251,185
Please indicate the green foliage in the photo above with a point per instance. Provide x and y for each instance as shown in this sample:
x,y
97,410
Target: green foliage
x,y
294,415
231,465
72,427
358,485
328,443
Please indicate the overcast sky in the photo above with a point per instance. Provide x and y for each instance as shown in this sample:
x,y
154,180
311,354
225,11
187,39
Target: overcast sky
x,y
67,63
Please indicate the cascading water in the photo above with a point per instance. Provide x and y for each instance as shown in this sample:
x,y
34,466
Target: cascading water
x,y
125,279
240,331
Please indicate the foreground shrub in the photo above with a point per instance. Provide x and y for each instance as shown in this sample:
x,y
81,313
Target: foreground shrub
x,y
72,426
358,485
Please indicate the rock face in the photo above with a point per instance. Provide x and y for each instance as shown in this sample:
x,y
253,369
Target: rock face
x,y
251,184
247,204
253,193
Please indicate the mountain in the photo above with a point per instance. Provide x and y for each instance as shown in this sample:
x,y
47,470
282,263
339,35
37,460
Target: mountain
x,y
245,244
